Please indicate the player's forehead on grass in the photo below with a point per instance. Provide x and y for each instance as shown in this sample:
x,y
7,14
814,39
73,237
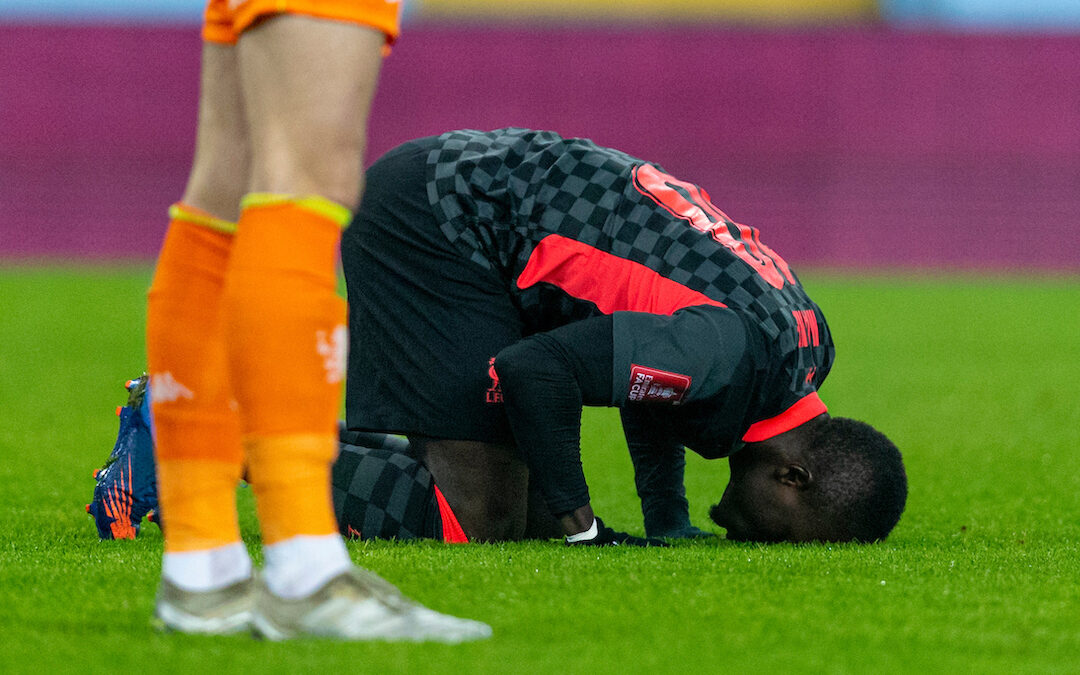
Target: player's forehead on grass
x,y
832,479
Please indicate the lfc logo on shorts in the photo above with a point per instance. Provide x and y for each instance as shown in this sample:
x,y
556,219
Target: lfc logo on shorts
x,y
494,392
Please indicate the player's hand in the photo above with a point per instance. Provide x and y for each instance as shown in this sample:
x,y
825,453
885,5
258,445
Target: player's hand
x,y
605,536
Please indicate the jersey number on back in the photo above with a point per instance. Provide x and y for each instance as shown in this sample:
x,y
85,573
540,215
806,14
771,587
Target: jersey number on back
x,y
690,203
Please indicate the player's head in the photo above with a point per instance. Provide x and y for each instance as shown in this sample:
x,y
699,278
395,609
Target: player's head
x,y
837,479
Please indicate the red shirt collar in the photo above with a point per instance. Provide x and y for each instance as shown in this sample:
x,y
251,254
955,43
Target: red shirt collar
x,y
805,409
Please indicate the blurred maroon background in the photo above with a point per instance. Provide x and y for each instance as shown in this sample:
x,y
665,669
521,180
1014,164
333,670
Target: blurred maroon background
x,y
850,147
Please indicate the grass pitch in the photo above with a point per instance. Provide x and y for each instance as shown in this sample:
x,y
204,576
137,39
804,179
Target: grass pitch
x,y
974,378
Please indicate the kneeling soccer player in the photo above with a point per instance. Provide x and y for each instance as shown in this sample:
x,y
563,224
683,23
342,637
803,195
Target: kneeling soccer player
x,y
499,281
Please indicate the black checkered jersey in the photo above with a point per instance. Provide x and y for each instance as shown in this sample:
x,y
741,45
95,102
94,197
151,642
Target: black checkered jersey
x,y
578,230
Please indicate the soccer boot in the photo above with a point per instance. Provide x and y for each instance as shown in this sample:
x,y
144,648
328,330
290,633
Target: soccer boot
x,y
358,605
126,487
221,612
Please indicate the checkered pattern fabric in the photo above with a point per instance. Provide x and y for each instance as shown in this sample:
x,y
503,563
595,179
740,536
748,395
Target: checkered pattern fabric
x,y
497,194
382,494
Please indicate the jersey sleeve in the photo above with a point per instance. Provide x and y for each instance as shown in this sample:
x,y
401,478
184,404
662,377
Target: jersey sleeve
x,y
678,359
693,375
546,379
685,373
659,467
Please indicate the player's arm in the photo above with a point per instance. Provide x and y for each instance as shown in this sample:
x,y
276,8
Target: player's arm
x,y
546,379
659,467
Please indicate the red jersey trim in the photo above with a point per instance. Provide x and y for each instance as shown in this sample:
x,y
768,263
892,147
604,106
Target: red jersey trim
x,y
451,528
611,283
805,409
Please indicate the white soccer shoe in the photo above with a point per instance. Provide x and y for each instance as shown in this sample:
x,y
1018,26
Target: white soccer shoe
x,y
358,605
222,612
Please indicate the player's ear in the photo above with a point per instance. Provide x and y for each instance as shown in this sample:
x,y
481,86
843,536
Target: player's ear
x,y
794,475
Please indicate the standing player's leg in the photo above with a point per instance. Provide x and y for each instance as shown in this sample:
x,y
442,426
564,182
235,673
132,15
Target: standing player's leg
x,y
308,85
206,570
284,321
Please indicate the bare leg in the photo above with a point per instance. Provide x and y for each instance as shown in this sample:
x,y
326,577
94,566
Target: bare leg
x,y
308,85
485,483
219,172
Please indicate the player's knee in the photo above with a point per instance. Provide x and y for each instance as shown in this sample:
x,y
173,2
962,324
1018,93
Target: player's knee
x,y
512,363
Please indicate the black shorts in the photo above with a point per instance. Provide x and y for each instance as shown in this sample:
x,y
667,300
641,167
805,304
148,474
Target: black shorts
x,y
425,321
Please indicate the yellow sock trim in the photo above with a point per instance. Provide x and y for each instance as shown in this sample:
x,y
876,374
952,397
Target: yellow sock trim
x,y
333,211
196,217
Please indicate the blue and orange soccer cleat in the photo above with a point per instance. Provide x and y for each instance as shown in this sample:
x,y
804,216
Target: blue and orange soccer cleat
x,y
126,487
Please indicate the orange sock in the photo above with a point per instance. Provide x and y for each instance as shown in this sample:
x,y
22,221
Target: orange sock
x,y
198,503
286,343
196,427
290,476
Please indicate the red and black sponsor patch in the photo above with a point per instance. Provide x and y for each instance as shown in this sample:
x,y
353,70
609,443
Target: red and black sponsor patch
x,y
656,386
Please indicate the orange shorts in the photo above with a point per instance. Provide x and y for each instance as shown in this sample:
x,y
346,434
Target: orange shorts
x,y
226,19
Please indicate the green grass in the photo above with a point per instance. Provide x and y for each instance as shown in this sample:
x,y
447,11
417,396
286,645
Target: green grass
x,y
975,378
